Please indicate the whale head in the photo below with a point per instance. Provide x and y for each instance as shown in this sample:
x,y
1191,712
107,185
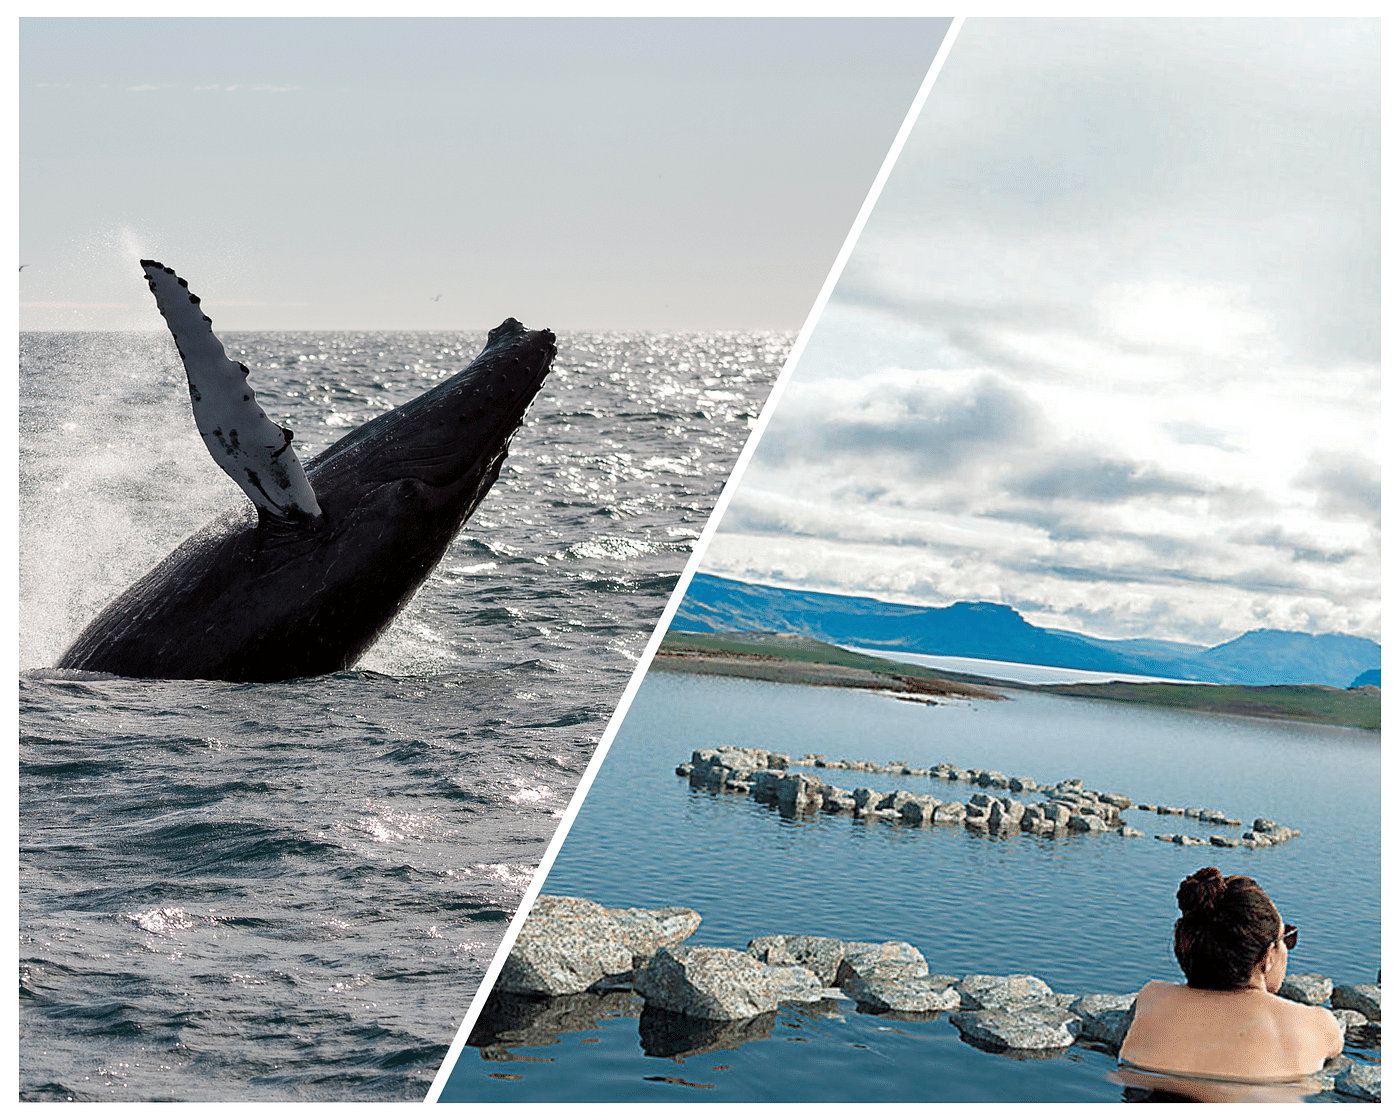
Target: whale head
x,y
396,491
434,458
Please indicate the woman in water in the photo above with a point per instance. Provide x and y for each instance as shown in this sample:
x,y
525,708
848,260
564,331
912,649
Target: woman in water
x,y
1226,1023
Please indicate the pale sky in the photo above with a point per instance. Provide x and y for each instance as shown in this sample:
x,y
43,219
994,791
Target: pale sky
x,y
1108,349
341,173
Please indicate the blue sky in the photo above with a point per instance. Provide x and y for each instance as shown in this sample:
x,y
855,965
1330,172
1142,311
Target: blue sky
x,y
1108,349
340,173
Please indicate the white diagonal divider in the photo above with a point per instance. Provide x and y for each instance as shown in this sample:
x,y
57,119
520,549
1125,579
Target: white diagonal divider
x,y
644,662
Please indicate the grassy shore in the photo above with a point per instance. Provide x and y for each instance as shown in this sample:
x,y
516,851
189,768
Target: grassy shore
x,y
790,659
793,660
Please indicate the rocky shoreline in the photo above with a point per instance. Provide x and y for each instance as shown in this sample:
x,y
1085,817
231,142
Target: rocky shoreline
x,y
576,962
1066,806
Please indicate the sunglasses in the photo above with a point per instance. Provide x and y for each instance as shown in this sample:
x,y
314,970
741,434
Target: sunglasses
x,y
1290,937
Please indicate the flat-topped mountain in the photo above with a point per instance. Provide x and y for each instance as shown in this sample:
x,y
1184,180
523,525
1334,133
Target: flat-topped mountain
x,y
998,633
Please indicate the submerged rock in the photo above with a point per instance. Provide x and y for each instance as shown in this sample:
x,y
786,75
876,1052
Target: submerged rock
x,y
980,991
707,982
1358,1030
1361,1081
795,984
569,944
822,956
1105,1018
1365,998
886,960
1029,1028
1306,987
906,994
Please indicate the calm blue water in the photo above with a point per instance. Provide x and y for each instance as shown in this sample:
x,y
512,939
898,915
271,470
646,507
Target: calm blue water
x,y
291,891
1083,913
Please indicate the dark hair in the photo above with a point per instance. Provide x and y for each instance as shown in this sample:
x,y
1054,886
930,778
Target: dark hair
x,y
1226,927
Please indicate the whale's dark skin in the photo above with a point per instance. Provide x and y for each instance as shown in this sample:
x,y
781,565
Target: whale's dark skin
x,y
253,597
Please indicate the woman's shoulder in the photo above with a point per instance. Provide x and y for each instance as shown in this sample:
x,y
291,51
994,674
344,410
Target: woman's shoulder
x,y
1316,1021
1155,991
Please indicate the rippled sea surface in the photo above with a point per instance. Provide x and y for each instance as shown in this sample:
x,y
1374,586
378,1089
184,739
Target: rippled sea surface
x,y
283,891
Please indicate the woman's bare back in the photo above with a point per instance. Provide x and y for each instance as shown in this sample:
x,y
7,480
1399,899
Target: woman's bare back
x,y
1245,1033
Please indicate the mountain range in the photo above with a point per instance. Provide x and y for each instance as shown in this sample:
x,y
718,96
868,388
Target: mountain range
x,y
997,632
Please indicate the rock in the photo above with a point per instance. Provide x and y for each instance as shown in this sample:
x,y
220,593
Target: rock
x,y
706,982
837,800
866,799
1105,1018
565,946
1306,987
645,931
1024,1028
1058,815
1361,1081
1332,1068
799,792
919,809
1365,1036
764,785
1358,1030
1225,841
1117,800
949,812
1126,830
821,955
1022,785
887,960
980,992
1086,823
795,984
908,994
975,816
1365,998
1170,811
1005,814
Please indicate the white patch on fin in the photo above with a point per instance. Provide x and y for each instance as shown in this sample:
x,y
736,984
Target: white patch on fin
x,y
254,452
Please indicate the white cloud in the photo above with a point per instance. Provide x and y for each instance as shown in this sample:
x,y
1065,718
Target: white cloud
x,y
1108,359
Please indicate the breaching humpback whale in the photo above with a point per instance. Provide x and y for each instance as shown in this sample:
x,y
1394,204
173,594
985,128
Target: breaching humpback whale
x,y
305,580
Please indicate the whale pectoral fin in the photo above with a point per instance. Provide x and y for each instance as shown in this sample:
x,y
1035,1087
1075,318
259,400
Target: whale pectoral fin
x,y
251,449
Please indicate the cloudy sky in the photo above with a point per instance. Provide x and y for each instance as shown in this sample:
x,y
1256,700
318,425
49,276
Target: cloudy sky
x,y
1108,349
646,174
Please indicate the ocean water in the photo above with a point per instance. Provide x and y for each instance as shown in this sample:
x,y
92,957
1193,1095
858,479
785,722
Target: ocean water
x,y
291,891
1084,913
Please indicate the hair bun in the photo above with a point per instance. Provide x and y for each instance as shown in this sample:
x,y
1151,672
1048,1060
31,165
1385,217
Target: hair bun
x,y
1201,891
